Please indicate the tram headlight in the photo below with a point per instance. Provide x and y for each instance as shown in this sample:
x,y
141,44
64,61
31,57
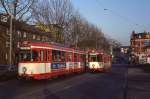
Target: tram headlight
x,y
93,65
24,69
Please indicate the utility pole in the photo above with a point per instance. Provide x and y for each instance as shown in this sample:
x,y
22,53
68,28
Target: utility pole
x,y
96,41
15,4
10,50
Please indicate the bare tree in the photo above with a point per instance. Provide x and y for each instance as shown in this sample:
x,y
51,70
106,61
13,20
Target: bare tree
x,y
56,12
76,30
18,8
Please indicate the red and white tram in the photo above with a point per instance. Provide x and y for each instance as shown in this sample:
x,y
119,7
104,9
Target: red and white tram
x,y
98,61
40,60
95,60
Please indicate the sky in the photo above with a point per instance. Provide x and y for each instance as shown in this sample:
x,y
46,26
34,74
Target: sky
x,y
116,18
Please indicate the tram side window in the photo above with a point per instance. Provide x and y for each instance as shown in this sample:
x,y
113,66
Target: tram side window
x,y
47,57
34,55
55,56
93,58
70,57
63,59
42,55
99,58
58,56
75,57
82,58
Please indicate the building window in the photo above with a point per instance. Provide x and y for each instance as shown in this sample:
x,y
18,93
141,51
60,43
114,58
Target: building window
x,y
7,44
38,38
138,44
34,37
43,38
4,18
19,33
146,42
46,38
18,44
148,49
147,36
24,35
132,49
6,56
7,31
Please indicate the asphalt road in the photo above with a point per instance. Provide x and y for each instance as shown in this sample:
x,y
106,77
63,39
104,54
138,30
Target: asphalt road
x,y
139,82
109,85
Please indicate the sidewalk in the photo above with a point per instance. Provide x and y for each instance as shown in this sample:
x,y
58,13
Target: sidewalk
x,y
6,74
138,82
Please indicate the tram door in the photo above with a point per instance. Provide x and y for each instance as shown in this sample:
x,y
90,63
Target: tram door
x,y
45,60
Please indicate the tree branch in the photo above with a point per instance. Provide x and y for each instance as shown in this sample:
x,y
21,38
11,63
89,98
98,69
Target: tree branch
x,y
4,6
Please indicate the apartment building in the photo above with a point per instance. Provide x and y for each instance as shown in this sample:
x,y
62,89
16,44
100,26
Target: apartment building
x,y
20,32
139,44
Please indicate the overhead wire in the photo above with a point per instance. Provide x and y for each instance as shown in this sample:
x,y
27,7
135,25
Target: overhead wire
x,y
126,19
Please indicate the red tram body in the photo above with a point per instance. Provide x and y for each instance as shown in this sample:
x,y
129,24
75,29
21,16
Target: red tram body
x,y
45,60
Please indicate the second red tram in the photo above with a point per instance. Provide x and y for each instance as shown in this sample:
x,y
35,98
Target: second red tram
x,y
98,61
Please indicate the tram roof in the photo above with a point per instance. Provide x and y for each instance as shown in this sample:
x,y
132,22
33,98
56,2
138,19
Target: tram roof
x,y
47,45
95,51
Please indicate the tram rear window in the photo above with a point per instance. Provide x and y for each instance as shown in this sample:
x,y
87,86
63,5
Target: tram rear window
x,y
95,58
25,55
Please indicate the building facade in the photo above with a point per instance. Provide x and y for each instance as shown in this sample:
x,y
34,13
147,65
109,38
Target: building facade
x,y
20,32
124,49
139,43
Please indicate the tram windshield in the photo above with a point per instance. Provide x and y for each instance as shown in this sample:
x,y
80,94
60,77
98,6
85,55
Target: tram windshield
x,y
95,58
28,55
92,58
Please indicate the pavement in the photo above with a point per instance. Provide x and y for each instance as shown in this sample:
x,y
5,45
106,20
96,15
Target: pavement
x,y
139,82
120,82
6,74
